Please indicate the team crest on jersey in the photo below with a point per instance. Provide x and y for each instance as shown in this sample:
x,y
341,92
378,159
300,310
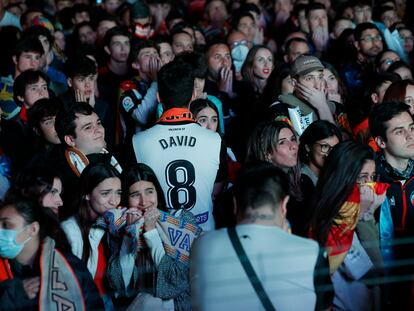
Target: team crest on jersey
x,y
127,103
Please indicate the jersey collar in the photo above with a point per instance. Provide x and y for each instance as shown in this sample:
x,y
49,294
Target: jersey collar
x,y
176,116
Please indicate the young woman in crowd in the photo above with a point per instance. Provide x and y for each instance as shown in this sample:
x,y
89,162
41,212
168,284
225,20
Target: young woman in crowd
x,y
347,193
147,271
316,143
33,259
100,190
402,69
41,185
276,142
256,70
402,91
257,67
278,83
206,114
334,86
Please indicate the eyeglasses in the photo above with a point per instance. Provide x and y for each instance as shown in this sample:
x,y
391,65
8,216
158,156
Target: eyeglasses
x,y
365,178
242,42
325,148
389,61
408,38
371,38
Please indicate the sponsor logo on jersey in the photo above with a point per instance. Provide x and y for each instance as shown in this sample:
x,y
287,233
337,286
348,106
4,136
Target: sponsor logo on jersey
x,y
201,218
127,104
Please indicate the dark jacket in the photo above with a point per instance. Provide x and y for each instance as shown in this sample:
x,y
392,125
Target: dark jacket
x,y
13,295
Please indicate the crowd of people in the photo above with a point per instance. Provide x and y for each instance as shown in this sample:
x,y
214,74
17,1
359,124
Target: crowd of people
x,y
206,155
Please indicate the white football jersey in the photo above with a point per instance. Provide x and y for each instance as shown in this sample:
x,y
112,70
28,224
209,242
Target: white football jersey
x,y
186,159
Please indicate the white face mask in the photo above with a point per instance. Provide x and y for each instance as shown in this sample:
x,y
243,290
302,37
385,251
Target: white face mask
x,y
239,54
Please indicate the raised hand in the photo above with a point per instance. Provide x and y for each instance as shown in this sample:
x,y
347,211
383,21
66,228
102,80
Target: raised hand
x,y
133,215
31,286
150,218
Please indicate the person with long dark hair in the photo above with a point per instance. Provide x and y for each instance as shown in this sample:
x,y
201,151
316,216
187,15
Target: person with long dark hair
x,y
316,143
345,193
36,267
41,185
276,142
150,274
100,190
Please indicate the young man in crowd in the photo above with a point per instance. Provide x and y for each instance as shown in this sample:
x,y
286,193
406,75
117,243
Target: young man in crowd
x,y
16,135
392,127
308,94
81,78
138,99
188,160
83,141
368,44
220,281
27,55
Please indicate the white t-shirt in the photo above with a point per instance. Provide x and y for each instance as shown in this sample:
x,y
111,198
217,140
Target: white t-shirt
x,y
186,159
284,264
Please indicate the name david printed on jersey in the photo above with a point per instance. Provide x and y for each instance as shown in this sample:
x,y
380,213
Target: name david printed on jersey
x,y
178,141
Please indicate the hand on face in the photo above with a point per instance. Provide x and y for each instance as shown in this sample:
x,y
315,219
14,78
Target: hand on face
x,y
369,200
154,66
226,80
133,215
315,96
150,218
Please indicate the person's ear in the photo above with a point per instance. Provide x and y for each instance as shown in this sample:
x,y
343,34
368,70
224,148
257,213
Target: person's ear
x,y
375,98
235,208
70,140
70,82
107,50
380,142
283,206
294,82
193,97
357,46
307,148
20,98
285,58
136,66
34,229
36,130
14,59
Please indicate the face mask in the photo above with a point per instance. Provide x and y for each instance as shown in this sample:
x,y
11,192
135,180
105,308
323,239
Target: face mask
x,y
239,54
9,248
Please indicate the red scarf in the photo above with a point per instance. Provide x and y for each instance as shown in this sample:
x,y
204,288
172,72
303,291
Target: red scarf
x,y
23,114
342,231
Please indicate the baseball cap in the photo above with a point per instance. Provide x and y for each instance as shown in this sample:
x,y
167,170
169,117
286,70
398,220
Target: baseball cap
x,y
305,64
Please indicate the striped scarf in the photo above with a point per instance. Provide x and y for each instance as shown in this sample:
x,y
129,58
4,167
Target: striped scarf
x,y
78,161
176,234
